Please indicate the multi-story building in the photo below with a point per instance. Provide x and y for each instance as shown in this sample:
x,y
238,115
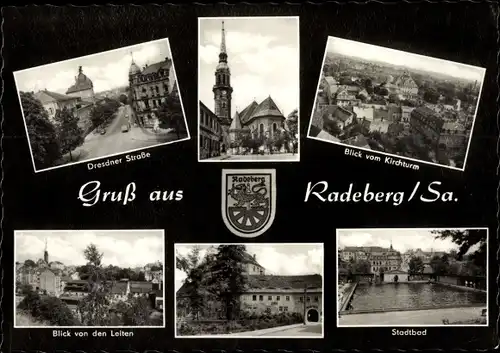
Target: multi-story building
x,y
271,293
50,282
454,137
424,123
210,133
52,102
149,88
380,259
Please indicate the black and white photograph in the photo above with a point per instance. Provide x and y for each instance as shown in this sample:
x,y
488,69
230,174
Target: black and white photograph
x,y
101,105
248,89
395,103
412,277
89,278
249,290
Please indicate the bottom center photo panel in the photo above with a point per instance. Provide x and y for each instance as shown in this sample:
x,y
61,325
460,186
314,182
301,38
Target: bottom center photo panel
x,y
249,290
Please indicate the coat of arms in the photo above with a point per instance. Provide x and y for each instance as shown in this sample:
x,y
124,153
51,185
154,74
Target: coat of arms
x,y
248,200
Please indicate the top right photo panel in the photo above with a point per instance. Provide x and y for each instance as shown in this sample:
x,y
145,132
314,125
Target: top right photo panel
x,y
383,103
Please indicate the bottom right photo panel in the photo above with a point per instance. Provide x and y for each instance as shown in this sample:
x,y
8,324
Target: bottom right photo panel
x,y
412,277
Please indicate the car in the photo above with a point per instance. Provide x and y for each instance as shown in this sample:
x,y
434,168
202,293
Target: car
x,y
125,128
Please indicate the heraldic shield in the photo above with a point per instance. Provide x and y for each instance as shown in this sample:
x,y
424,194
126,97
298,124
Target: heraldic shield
x,y
248,200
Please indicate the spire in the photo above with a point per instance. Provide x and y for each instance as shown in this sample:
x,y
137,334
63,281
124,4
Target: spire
x,y
223,40
132,56
79,69
45,245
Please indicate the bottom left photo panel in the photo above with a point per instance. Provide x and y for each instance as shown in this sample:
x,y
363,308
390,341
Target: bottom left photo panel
x,y
89,278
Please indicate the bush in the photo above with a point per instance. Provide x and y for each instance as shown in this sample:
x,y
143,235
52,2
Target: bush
x,y
50,309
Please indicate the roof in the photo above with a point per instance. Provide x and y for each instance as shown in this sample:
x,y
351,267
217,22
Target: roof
x,y
326,136
406,80
134,69
284,282
141,287
236,123
424,111
247,258
359,141
265,109
361,112
330,80
454,126
246,113
49,96
396,272
82,83
337,113
165,64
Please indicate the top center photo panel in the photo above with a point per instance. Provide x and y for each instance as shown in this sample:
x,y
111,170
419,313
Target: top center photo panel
x,y
248,89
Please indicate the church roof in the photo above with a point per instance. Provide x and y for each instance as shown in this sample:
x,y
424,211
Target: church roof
x,y
82,83
236,123
267,108
246,113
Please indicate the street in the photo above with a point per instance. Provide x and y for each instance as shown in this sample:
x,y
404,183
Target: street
x,y
301,331
115,141
258,157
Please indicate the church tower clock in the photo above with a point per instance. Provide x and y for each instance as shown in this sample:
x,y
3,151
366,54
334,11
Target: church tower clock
x,y
222,88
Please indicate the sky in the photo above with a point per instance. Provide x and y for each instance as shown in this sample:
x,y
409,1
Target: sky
x,y
402,239
395,57
107,70
135,248
263,56
277,259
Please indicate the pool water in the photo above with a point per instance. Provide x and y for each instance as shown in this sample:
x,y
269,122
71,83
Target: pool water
x,y
412,296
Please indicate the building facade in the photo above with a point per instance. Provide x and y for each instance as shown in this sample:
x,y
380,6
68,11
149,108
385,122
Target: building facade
x,y
424,123
52,102
149,88
210,133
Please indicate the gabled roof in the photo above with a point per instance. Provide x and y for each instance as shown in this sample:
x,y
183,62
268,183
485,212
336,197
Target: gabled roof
x,y
48,96
248,111
141,287
337,113
247,258
119,288
156,67
284,282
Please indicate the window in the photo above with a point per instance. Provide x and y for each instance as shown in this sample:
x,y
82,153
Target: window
x,y
316,298
308,299
301,299
51,111
254,298
285,308
270,298
280,308
255,268
261,297
287,298
277,297
261,272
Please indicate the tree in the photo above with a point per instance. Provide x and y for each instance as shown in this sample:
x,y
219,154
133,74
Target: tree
x,y
359,267
24,289
190,265
123,98
226,279
416,266
394,98
466,240
29,263
42,133
101,113
431,96
137,312
94,307
170,113
439,267
292,127
69,133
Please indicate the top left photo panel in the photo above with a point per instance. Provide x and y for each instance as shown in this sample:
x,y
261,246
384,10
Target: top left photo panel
x,y
101,105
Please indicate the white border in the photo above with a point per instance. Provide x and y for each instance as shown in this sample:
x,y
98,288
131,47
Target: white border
x,y
390,154
208,160
16,234
414,229
114,154
236,337
272,205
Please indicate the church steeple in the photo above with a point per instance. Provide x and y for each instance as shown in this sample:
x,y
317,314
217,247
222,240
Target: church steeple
x,y
46,253
222,88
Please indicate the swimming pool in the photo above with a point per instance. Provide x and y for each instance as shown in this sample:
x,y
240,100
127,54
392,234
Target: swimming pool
x,y
401,296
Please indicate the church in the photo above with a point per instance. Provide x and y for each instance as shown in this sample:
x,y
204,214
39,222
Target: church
x,y
257,120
